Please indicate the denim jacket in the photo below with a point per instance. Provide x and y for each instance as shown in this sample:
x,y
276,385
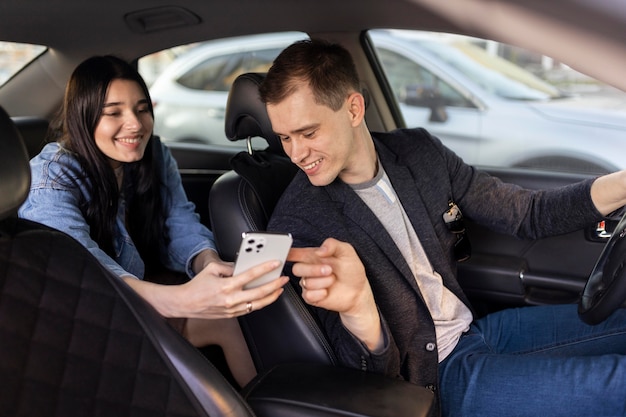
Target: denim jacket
x,y
53,202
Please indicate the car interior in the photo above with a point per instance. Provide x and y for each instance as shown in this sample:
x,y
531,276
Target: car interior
x,y
61,356
120,357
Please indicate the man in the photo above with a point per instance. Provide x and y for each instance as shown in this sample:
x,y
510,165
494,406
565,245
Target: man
x,y
389,300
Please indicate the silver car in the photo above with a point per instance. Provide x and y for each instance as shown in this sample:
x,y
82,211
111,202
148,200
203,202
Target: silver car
x,y
190,94
488,110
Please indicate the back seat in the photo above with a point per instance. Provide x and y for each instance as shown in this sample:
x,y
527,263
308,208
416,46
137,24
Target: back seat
x,y
34,130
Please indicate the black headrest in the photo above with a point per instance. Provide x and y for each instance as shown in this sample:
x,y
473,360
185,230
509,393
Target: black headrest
x,y
246,116
14,167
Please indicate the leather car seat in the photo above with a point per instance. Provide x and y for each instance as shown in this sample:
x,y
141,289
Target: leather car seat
x,y
75,340
242,200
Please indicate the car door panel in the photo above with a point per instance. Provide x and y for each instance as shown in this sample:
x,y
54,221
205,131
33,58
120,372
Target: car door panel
x,y
505,271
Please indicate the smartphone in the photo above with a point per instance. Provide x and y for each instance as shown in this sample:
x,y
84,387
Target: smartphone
x,y
259,247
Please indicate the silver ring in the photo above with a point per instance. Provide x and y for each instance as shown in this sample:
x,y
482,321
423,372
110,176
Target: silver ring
x,y
303,282
248,307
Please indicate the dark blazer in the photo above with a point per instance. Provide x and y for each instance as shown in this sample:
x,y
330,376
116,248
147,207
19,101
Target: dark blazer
x,y
425,176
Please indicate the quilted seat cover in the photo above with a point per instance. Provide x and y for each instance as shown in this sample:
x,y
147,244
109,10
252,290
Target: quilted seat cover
x,y
71,343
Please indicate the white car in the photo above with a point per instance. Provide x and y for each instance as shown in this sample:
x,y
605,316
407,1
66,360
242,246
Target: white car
x,y
488,110
190,94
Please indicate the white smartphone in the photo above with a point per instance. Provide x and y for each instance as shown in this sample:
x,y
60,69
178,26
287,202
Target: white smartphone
x,y
259,247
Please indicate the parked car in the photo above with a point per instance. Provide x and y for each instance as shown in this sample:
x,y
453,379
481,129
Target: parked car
x,y
190,94
488,110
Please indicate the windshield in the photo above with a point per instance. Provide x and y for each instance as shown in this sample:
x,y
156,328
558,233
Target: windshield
x,y
491,72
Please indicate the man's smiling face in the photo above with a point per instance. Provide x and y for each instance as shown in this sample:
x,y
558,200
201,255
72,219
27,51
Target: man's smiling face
x,y
318,140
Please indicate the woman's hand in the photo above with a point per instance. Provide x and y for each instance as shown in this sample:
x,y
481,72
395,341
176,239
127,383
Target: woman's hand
x,y
212,294
333,277
206,258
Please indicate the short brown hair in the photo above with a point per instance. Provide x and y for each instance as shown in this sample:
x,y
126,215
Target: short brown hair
x,y
328,68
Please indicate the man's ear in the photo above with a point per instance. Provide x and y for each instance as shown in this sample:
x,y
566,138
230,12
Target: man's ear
x,y
356,107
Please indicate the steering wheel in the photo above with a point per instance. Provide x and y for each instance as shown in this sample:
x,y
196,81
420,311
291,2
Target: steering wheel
x,y
605,290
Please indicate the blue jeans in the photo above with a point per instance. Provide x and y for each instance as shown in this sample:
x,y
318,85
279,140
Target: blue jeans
x,y
537,361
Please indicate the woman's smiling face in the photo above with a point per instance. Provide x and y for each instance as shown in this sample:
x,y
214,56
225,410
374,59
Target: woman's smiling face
x,y
125,126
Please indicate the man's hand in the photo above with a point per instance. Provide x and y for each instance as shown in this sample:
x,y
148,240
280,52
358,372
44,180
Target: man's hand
x,y
333,278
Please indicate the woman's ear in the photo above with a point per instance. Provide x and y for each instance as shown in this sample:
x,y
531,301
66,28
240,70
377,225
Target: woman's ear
x,y
356,107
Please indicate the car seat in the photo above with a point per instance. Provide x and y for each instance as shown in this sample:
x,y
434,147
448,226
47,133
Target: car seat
x,y
75,340
242,200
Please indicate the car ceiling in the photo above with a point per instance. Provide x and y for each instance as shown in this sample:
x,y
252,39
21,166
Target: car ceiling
x,y
63,24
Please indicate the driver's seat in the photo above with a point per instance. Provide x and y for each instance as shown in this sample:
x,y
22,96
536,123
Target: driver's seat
x,y
242,200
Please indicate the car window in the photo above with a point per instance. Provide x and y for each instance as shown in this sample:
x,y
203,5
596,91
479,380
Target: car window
x,y
218,73
211,74
497,105
189,84
490,71
413,84
15,56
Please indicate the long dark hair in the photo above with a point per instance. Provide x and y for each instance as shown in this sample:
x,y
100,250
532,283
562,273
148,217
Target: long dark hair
x,y
82,108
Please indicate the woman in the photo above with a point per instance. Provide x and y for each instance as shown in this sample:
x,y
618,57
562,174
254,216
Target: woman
x,y
115,188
